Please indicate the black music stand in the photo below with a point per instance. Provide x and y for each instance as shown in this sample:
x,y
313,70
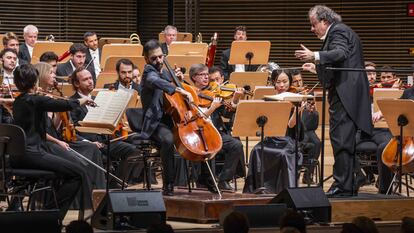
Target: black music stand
x,y
253,116
400,117
249,52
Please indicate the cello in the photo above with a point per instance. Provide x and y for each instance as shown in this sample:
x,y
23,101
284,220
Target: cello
x,y
196,138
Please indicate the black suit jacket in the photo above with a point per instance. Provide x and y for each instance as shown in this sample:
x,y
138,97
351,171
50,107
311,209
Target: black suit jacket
x,y
92,65
153,85
5,117
342,48
115,85
66,69
408,93
24,53
228,69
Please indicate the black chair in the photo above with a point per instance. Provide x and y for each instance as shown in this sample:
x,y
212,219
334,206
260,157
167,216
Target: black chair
x,y
311,167
30,181
365,152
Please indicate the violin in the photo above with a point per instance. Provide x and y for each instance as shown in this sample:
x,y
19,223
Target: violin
x,y
68,129
299,90
226,91
391,156
206,97
388,84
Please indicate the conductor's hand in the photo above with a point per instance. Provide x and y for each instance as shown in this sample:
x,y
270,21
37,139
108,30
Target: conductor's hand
x,y
305,54
185,93
86,100
309,67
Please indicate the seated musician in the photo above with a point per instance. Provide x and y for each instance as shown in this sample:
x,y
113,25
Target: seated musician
x,y
77,59
6,111
216,74
82,82
389,79
136,75
380,136
30,33
11,40
93,53
58,145
156,123
8,58
372,75
50,58
232,147
311,144
170,35
278,151
29,112
240,34
124,69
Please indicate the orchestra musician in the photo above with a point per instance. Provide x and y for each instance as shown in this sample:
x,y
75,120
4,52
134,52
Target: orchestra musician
x,y
240,34
82,83
341,48
90,39
11,40
156,123
124,69
170,35
30,33
78,57
8,58
232,147
57,145
136,76
216,74
29,112
50,58
372,75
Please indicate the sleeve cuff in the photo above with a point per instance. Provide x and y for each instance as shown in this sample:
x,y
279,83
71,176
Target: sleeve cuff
x,y
317,58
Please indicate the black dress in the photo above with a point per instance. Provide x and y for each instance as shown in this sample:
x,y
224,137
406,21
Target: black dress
x,y
30,113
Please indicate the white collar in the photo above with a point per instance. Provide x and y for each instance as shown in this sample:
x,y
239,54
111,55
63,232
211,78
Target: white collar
x,y
326,33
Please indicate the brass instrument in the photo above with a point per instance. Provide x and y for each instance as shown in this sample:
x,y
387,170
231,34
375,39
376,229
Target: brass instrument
x,y
199,38
269,68
50,38
134,39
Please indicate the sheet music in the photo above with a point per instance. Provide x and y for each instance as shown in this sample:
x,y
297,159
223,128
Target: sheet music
x,y
111,106
288,96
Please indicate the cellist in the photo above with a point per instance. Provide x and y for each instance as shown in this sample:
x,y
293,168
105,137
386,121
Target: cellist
x,y
232,147
156,123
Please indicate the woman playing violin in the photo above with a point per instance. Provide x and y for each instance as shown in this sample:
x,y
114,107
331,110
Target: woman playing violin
x,y
30,113
56,144
232,147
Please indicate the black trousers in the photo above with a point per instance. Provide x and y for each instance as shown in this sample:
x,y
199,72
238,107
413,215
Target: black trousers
x,y
314,150
71,174
164,137
342,131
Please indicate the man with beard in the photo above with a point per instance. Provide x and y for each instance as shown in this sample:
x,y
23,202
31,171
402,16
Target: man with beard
x,y
156,123
78,58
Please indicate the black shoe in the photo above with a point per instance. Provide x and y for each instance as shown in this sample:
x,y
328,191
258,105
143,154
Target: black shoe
x,y
207,184
168,189
338,192
225,185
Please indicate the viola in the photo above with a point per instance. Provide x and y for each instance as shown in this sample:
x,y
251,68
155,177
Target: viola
x,y
68,129
195,137
391,156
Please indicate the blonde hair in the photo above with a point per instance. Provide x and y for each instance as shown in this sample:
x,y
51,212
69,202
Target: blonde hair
x,y
44,69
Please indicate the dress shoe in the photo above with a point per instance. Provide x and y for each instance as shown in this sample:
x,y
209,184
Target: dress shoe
x,y
168,189
225,185
338,192
202,183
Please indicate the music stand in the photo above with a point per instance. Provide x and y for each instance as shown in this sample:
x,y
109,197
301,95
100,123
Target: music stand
x,y
400,118
43,46
384,93
188,49
125,50
249,52
181,36
112,40
248,80
253,117
261,91
185,61
110,63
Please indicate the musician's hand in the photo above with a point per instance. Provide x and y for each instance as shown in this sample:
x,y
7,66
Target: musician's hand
x,y
98,144
305,54
63,144
185,93
86,101
397,83
238,94
216,103
309,67
179,73
376,116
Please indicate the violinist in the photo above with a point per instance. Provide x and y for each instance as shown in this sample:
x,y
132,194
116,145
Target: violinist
x,y
136,76
8,58
30,112
124,69
51,58
56,144
216,74
311,144
372,75
83,84
232,147
157,124
11,41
